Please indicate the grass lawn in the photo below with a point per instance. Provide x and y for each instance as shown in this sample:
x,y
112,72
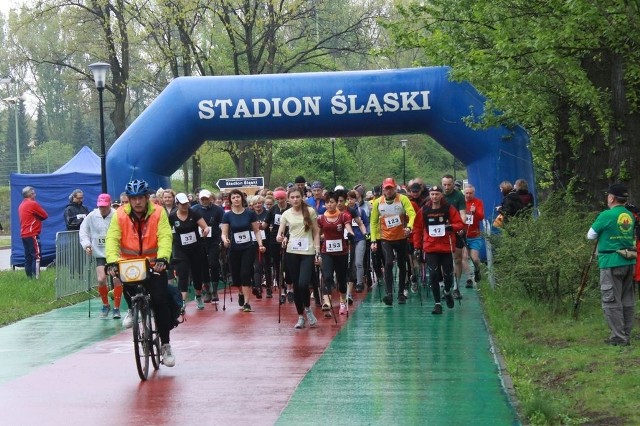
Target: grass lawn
x,y
562,371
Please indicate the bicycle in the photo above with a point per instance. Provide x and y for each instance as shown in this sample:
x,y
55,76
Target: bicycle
x,y
134,274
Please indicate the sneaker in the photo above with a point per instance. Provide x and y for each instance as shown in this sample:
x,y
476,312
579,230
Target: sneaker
x,y
167,356
349,299
290,296
269,293
104,313
449,298
469,284
456,294
388,300
214,297
616,341
343,308
359,288
127,322
313,321
241,300
414,288
326,307
206,296
258,292
200,303
246,308
405,292
283,299
437,310
116,313
476,275
402,299
300,323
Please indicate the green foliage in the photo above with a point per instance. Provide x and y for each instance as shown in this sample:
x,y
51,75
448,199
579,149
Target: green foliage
x,y
544,258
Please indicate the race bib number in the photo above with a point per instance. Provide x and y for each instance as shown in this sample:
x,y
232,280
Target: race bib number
x,y
208,235
276,219
299,244
354,223
392,221
80,216
436,230
101,241
333,246
188,238
262,234
469,219
241,237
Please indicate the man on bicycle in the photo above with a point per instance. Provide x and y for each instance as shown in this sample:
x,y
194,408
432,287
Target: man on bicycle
x,y
141,229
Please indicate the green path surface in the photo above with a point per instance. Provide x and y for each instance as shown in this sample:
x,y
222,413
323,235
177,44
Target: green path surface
x,y
402,365
42,339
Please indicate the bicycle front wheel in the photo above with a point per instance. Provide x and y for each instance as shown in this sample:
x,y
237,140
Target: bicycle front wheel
x,y
154,346
141,338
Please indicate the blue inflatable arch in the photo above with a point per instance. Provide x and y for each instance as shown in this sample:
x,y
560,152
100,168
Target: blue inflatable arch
x,y
192,110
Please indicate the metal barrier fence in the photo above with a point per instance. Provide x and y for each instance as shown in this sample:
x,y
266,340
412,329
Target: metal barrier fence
x,y
75,271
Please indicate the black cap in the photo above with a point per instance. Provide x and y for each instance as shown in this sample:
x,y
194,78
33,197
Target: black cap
x,y
300,179
435,188
415,187
618,190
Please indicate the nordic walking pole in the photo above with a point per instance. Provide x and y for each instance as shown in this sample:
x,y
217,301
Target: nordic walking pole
x,y
583,281
455,281
281,297
348,269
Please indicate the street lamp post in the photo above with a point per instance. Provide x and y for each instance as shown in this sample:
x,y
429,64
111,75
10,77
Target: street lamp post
x,y
15,102
99,70
404,162
333,155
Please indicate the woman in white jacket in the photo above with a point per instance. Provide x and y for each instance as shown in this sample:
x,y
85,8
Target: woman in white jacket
x,y
93,231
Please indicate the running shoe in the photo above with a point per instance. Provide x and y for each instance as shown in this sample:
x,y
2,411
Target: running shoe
x,y
343,308
246,308
469,284
258,292
240,300
104,313
116,313
414,288
359,288
405,292
449,299
206,294
300,323
290,296
127,322
476,275
326,307
283,299
311,318
456,294
199,302
437,309
167,356
214,297
402,299
269,293
388,299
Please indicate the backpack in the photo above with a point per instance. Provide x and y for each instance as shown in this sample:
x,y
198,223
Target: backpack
x,y
175,305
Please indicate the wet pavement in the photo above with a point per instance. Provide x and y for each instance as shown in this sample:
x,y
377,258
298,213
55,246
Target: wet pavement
x,y
382,365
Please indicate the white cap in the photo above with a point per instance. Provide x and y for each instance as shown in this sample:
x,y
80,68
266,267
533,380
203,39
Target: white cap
x,y
182,198
205,193
339,188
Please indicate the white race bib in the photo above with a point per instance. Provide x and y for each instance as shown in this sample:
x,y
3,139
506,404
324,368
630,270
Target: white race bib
x,y
80,216
188,238
333,246
100,241
469,219
262,234
354,223
276,219
241,237
392,221
436,230
299,244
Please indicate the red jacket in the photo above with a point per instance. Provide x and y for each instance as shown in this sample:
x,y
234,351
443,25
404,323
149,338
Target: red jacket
x,y
31,215
432,237
473,220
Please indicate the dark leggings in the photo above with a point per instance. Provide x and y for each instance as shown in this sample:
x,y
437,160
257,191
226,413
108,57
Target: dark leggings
x,y
211,268
337,264
440,263
241,265
189,264
261,267
400,247
300,267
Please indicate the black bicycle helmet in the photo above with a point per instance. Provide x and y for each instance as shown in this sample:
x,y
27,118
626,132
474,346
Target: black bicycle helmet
x,y
137,187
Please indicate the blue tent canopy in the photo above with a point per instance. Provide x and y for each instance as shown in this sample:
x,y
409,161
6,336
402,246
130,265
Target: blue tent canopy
x,y
52,192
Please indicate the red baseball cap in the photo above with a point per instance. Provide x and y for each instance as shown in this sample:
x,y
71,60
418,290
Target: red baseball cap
x,y
104,200
389,182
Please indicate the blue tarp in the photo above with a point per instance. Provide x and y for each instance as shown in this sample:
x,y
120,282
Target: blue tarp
x,y
52,192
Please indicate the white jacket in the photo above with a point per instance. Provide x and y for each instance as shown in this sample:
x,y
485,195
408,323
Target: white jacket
x,y
93,231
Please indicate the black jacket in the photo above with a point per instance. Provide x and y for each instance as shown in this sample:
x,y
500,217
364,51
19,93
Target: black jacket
x,y
74,214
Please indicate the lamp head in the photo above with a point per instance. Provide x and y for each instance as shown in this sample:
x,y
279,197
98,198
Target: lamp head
x,y
99,70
